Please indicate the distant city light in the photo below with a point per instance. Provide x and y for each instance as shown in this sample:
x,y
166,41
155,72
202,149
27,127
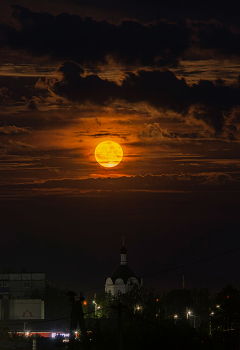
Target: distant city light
x,y
61,334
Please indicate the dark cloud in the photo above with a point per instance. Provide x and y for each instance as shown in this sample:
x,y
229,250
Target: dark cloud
x,y
12,130
89,42
215,35
39,120
209,115
106,134
98,122
33,104
182,182
155,131
20,146
173,10
18,89
69,37
77,88
5,95
70,71
160,89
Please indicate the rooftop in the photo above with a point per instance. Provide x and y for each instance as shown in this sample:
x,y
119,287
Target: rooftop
x,y
123,272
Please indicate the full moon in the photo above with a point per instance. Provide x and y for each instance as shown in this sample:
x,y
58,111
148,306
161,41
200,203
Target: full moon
x,y
108,154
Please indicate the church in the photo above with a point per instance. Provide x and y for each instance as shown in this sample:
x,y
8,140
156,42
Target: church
x,y
123,278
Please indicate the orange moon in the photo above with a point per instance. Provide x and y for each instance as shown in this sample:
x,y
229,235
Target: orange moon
x,y
108,154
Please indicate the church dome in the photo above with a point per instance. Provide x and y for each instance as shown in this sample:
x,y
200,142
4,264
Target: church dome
x,y
123,272
123,250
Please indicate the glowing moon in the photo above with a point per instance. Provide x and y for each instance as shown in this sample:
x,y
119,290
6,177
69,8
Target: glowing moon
x,y
108,154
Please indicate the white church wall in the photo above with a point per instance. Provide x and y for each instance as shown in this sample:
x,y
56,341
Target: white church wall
x,y
119,286
109,287
114,289
109,281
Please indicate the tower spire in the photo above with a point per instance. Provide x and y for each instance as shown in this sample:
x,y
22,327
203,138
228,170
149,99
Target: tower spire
x,y
123,252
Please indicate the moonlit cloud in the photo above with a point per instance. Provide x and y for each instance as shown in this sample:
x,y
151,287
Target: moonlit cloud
x,y
207,100
12,130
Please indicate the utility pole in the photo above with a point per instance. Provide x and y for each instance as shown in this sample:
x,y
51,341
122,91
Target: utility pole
x,y
95,304
34,344
77,318
120,326
24,328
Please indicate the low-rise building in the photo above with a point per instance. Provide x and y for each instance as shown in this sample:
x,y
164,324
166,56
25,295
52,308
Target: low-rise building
x,y
21,285
20,296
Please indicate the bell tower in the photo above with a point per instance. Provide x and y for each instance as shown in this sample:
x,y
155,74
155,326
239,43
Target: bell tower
x,y
123,252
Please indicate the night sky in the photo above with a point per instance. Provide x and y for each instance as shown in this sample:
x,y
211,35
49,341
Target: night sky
x,y
162,79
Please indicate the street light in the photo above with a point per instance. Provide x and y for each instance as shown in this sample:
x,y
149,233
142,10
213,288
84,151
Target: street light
x,y
189,313
97,307
210,323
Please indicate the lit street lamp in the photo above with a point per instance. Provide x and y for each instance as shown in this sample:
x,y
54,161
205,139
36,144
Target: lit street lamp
x,y
189,314
97,307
